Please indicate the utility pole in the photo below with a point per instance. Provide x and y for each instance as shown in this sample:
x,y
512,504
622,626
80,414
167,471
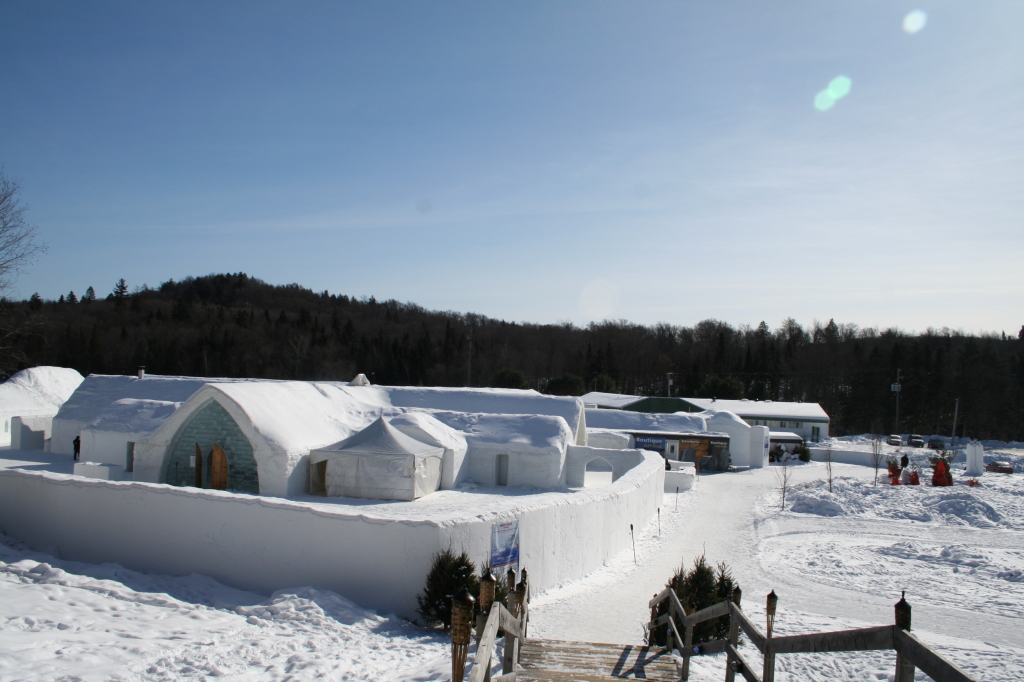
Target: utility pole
x,y
956,411
469,363
896,389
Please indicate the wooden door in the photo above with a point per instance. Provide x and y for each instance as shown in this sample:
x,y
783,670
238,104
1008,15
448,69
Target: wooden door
x,y
218,469
199,466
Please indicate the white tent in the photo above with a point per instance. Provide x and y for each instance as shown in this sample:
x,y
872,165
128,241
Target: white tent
x,y
424,428
379,462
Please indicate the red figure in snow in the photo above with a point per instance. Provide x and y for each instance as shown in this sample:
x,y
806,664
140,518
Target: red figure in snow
x,y
942,475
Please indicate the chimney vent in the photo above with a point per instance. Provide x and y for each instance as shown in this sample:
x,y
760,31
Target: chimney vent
x,y
142,372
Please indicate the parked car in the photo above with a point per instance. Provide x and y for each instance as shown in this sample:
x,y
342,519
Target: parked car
x,y
936,444
999,467
915,441
894,439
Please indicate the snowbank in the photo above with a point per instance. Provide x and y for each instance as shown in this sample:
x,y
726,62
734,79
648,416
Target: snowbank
x,y
109,622
958,505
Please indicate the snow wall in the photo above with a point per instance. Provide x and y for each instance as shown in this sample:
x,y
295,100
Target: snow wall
x,y
266,544
30,433
863,457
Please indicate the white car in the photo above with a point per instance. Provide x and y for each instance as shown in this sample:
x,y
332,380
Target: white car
x,y
894,439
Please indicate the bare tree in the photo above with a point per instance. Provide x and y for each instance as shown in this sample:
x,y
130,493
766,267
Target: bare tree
x,y
876,455
783,479
18,247
18,244
827,457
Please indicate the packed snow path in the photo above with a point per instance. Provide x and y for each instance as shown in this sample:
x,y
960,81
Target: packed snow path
x,y
830,572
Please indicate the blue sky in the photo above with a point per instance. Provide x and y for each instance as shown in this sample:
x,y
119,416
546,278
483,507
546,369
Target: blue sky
x,y
534,161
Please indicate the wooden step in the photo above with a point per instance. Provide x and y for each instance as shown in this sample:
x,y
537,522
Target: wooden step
x,y
557,661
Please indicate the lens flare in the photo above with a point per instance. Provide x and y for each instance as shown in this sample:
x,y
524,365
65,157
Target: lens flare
x,y
915,21
839,87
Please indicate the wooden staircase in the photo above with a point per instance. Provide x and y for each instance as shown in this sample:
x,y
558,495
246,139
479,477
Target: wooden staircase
x,y
545,660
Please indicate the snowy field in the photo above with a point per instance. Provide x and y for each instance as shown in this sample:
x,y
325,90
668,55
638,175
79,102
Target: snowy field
x,y
837,560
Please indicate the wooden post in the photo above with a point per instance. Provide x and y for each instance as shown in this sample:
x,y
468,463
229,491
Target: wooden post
x,y
516,596
687,645
904,668
522,598
734,637
510,584
487,584
462,610
768,672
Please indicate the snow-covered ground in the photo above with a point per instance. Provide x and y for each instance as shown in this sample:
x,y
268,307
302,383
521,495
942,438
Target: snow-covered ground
x,y
65,620
837,560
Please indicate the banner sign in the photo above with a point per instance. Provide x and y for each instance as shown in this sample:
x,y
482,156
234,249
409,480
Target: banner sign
x,y
652,443
504,547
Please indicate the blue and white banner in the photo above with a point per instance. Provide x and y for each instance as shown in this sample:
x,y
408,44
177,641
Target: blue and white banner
x,y
504,547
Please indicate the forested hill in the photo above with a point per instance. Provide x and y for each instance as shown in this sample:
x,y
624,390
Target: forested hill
x,y
237,326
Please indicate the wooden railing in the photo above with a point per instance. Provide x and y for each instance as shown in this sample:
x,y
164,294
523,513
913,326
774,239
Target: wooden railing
x,y
512,624
911,652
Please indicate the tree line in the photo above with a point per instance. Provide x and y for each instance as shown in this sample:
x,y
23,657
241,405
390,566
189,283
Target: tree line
x,y
233,325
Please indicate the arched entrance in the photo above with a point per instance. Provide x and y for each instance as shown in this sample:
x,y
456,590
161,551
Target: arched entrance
x,y
598,473
212,424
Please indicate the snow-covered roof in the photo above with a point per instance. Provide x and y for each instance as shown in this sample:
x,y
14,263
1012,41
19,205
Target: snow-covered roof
x,y
616,401
763,409
38,390
785,437
714,417
98,391
531,430
296,416
131,415
621,420
489,401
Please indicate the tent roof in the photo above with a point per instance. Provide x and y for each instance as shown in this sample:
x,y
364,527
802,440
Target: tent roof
x,y
426,429
381,438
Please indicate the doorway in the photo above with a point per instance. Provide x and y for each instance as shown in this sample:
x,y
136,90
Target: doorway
x,y
501,470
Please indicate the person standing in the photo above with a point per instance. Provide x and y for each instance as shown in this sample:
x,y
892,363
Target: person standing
x,y
904,461
78,446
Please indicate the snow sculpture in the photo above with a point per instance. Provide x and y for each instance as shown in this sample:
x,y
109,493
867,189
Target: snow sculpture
x,y
975,459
